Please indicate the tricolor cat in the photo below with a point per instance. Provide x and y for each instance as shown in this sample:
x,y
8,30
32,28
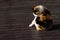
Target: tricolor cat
x,y
43,19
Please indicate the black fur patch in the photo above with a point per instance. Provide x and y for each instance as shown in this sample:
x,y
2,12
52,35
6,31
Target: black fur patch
x,y
45,12
46,23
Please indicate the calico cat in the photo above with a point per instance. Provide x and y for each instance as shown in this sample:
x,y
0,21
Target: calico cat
x,y
43,18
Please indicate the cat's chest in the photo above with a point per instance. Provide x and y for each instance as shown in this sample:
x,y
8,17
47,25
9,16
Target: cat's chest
x,y
38,21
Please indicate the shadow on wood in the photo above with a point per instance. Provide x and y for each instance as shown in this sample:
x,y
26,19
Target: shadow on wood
x,y
56,27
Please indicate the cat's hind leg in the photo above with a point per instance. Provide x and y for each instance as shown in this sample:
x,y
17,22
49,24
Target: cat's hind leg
x,y
37,27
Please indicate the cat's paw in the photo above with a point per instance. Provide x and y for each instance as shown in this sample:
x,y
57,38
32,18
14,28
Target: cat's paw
x,y
30,25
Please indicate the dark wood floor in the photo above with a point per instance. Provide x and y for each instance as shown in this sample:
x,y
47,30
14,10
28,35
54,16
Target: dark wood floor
x,y
16,15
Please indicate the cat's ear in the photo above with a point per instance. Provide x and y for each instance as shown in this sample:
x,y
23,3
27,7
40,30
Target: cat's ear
x,y
32,8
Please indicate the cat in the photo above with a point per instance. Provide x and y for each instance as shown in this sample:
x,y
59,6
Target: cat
x,y
43,19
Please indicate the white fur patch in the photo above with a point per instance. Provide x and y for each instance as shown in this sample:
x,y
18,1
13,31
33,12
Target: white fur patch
x,y
33,22
35,15
41,8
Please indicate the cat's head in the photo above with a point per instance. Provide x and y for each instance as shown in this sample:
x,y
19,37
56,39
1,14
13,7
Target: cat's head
x,y
38,9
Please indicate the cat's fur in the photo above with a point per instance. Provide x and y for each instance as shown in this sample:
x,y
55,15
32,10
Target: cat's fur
x,y
43,19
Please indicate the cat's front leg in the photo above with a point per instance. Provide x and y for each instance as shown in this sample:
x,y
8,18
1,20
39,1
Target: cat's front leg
x,y
33,22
